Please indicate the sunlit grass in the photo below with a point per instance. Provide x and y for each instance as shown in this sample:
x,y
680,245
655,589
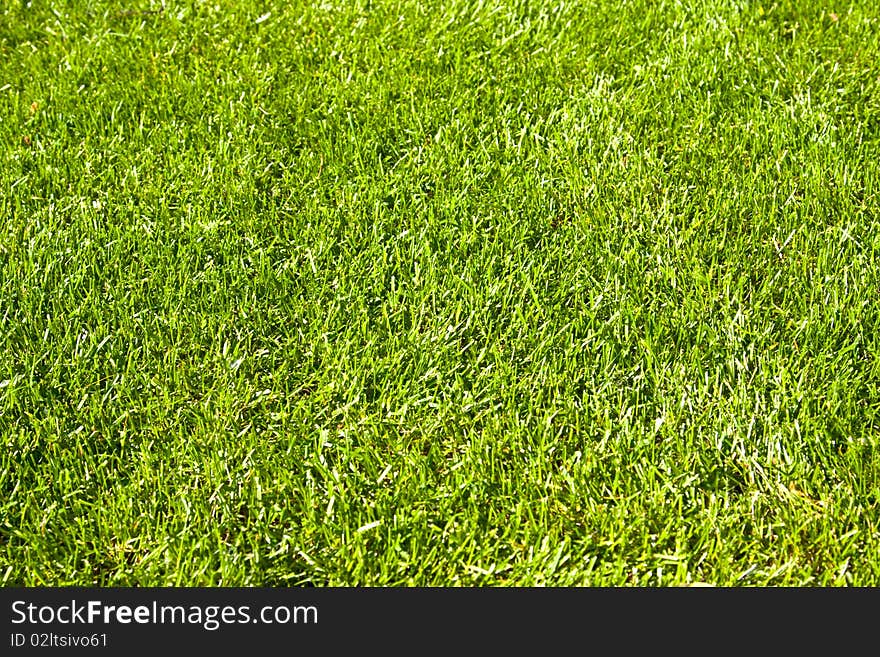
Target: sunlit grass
x,y
453,293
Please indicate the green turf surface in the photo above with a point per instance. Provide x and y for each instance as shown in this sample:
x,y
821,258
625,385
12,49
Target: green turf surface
x,y
449,293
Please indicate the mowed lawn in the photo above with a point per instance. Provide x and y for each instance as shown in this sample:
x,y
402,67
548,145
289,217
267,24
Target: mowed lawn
x,y
402,292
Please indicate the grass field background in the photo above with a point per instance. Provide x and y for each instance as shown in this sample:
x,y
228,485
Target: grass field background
x,y
439,293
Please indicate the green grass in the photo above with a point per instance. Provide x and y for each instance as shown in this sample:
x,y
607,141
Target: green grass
x,y
439,293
